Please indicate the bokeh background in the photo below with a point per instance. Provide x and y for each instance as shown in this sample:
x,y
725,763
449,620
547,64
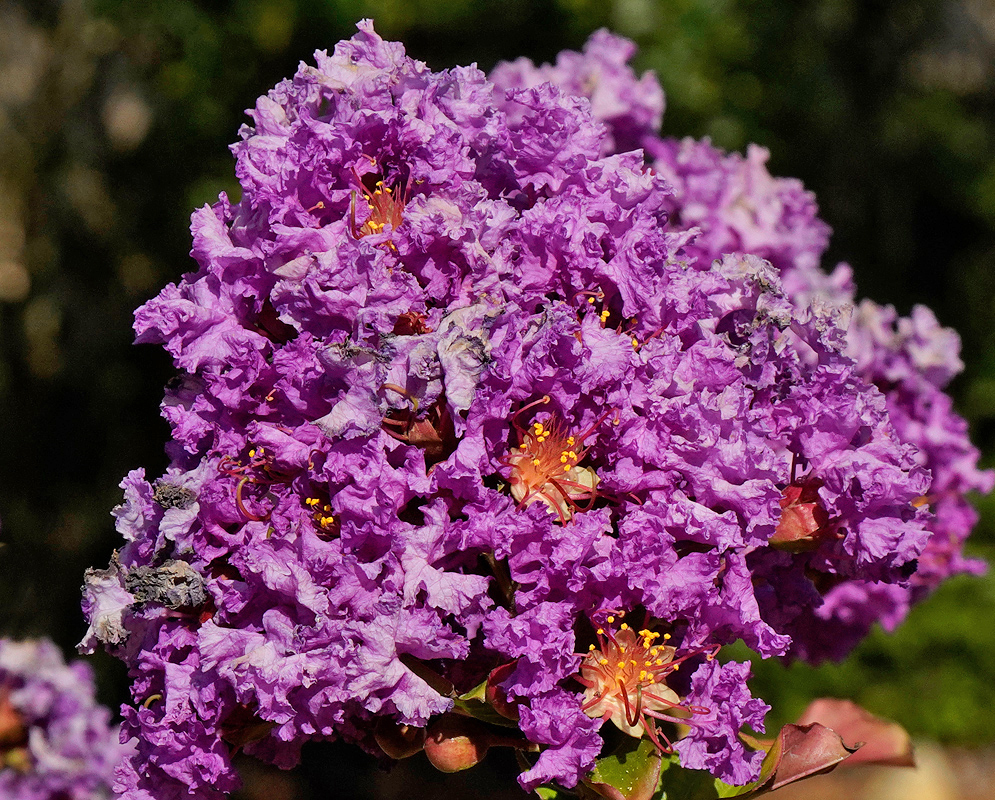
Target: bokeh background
x,y
115,118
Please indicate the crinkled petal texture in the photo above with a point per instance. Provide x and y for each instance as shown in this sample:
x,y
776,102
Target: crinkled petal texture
x,y
631,107
55,739
455,388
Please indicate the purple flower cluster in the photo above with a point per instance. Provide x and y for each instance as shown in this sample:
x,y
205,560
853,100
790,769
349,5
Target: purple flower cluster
x,y
465,393
55,740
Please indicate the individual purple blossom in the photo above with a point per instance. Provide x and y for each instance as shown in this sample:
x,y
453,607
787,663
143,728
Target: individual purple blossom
x,y
56,741
732,202
911,359
709,744
739,207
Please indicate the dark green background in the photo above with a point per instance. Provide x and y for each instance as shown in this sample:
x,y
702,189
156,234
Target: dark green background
x,y
115,118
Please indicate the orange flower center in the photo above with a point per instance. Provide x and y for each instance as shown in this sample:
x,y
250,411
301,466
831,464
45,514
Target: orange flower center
x,y
624,676
545,467
385,206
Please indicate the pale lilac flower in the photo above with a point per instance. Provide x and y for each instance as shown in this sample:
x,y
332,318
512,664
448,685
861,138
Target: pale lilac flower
x,y
56,741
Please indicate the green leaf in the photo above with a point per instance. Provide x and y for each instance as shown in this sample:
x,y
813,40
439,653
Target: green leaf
x,y
478,693
638,771
630,773
678,783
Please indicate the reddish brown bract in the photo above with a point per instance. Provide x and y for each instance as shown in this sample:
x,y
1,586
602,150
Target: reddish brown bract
x,y
804,523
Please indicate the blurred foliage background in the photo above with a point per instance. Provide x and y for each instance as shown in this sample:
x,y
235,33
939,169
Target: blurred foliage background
x,y
114,122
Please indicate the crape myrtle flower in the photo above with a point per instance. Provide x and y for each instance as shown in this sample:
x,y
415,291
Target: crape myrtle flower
x,y
734,205
452,393
732,201
738,374
738,205
56,741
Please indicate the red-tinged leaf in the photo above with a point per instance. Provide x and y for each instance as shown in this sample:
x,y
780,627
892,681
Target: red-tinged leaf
x,y
797,752
805,750
880,741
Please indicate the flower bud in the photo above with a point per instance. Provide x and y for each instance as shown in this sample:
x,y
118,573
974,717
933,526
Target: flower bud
x,y
456,743
496,696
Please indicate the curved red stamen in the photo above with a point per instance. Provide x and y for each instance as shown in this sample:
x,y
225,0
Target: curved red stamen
x,y
514,419
239,501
